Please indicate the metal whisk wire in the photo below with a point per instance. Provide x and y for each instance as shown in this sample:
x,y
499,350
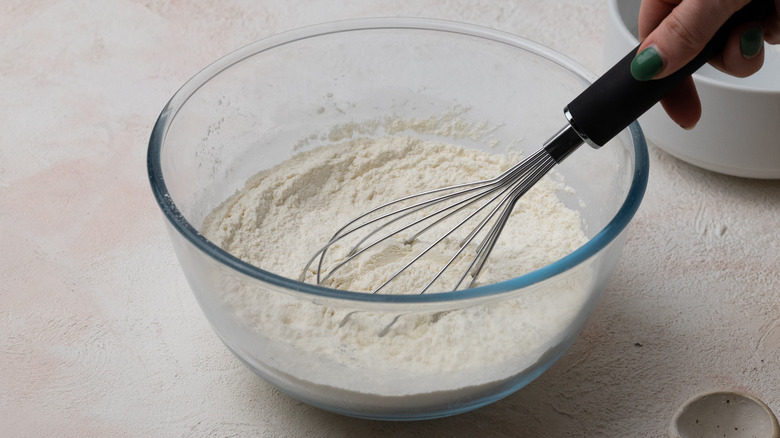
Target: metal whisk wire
x,y
498,196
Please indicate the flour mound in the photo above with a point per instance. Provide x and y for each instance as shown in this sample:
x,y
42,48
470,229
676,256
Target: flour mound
x,y
284,214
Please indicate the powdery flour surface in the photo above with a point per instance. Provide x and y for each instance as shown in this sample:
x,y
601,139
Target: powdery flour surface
x,y
284,214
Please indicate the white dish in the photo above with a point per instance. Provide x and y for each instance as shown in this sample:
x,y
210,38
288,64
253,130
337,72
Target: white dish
x,y
739,131
727,414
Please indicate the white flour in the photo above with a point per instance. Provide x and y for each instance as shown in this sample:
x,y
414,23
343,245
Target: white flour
x,y
284,214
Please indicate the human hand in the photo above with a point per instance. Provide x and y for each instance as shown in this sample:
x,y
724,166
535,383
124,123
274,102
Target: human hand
x,y
672,32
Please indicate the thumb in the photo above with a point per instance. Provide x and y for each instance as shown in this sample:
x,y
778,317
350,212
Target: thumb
x,y
674,39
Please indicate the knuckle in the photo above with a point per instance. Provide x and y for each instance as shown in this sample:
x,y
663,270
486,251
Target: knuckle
x,y
685,36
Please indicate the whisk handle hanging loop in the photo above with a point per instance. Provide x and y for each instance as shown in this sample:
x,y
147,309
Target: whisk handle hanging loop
x,y
616,99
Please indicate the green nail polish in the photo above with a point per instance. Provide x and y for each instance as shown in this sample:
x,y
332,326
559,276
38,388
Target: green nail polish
x,y
751,41
646,64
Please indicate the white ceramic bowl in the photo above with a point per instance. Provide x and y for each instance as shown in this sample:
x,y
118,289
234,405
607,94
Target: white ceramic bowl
x,y
739,131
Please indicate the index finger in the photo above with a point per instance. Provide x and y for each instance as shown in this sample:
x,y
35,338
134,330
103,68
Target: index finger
x,y
679,29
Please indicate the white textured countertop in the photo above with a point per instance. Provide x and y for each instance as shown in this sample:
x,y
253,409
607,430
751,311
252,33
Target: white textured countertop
x,y
100,335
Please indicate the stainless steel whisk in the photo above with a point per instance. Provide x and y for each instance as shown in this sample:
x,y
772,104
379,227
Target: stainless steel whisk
x,y
486,203
597,115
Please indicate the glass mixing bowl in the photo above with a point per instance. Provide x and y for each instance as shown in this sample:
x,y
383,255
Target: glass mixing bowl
x,y
268,101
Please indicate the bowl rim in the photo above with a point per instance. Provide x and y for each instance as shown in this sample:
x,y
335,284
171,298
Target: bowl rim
x,y
701,79
177,220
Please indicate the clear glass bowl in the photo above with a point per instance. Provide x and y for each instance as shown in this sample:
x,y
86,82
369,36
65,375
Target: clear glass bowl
x,y
261,104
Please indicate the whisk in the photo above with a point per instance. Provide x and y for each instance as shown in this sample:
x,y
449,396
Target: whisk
x,y
478,211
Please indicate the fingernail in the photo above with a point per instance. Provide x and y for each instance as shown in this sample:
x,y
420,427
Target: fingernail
x,y
646,64
751,41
